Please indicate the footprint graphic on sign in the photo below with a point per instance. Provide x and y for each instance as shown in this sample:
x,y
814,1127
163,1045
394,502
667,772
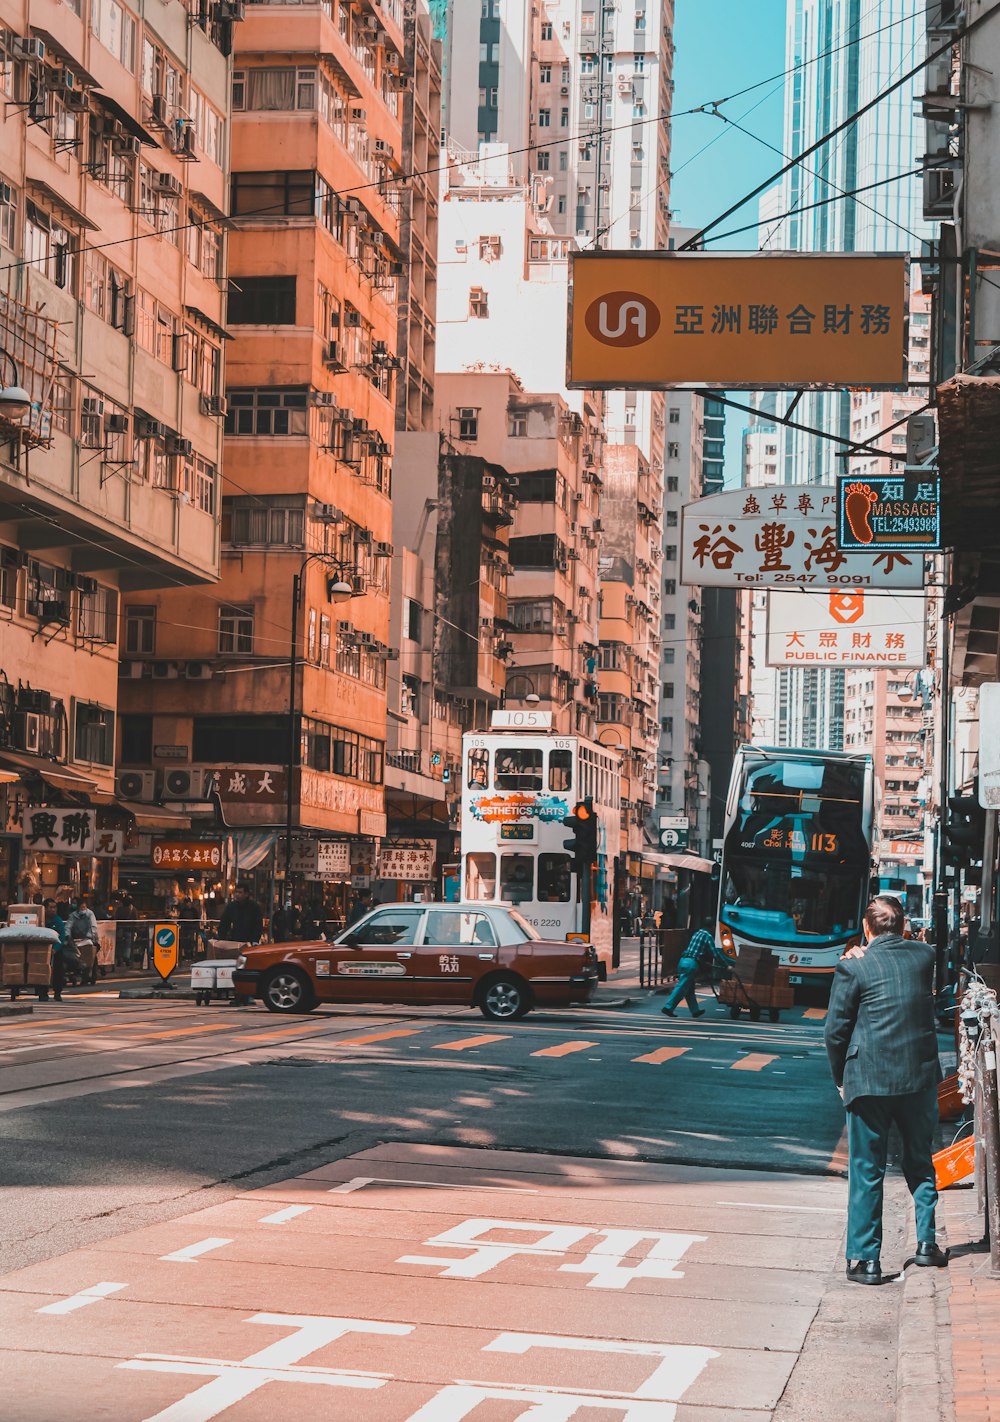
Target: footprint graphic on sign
x,y
857,506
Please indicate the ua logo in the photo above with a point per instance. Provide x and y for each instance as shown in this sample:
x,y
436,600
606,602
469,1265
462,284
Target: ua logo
x,y
622,318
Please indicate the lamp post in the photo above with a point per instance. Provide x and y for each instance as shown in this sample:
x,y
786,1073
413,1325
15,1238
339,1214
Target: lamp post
x,y
15,401
340,589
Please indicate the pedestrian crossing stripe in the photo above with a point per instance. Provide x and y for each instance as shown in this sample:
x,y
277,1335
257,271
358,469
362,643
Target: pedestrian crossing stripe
x,y
662,1054
564,1049
753,1061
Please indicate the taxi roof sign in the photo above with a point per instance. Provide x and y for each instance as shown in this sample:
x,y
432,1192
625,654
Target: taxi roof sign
x,y
736,320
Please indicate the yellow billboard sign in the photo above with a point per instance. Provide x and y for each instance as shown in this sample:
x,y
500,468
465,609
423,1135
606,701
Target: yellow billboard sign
x,y
753,321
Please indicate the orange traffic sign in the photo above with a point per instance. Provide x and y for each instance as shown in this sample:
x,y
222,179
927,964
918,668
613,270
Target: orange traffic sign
x,y
166,948
752,321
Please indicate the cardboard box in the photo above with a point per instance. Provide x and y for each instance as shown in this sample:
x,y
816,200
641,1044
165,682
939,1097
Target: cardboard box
x,y
13,965
39,966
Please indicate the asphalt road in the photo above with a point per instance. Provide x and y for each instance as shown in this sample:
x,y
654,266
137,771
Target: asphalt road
x,y
113,1113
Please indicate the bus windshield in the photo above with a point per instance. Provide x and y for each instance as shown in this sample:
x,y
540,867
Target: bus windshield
x,y
797,854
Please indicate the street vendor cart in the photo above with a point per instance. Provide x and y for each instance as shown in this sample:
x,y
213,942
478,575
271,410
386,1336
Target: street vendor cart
x,y
758,984
26,957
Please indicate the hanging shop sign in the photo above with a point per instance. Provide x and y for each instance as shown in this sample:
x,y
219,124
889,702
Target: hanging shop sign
x,y
845,629
45,831
333,859
900,511
675,831
779,537
186,854
753,321
410,862
250,784
908,849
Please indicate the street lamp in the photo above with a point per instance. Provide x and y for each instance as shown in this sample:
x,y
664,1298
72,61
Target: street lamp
x,y
14,399
339,589
531,697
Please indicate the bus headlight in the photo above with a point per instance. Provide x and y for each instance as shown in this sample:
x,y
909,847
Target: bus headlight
x,y
726,939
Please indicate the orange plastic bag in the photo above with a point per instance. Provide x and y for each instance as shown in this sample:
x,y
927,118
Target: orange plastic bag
x,y
955,1163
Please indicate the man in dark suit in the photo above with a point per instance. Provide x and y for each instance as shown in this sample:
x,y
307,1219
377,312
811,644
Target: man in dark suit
x,y
882,1045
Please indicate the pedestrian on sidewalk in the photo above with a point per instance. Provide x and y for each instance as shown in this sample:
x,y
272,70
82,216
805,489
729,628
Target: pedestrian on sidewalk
x,y
882,1044
699,955
242,920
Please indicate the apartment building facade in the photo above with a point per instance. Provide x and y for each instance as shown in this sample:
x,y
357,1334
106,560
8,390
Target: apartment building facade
x,y
114,156
311,391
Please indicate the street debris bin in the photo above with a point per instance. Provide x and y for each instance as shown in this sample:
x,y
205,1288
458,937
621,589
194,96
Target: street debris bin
x,y
213,977
26,956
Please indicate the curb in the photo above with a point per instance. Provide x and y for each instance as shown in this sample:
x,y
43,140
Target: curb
x,y
923,1369
15,1009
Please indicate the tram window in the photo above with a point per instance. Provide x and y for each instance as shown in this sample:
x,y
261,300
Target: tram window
x,y
518,768
479,769
480,877
517,878
560,770
553,878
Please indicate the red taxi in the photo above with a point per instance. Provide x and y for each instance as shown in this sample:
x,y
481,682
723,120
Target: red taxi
x,y
483,955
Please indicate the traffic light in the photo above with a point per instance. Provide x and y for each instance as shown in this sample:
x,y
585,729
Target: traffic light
x,y
964,831
582,825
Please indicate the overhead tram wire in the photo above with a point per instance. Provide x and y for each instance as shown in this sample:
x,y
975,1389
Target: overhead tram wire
x,y
852,118
401,178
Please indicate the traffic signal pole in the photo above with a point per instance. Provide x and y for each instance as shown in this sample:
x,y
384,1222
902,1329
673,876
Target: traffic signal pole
x,y
585,887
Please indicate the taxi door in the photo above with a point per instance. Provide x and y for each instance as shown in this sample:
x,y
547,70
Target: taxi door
x,y
458,947
378,954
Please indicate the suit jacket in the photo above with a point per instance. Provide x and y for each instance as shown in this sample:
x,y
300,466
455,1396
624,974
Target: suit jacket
x,y
880,1031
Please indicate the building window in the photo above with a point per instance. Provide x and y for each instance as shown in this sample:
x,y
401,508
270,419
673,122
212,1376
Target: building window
x,y
517,424
544,118
489,249
668,655
543,160
673,450
409,701
545,74
115,29
94,738
546,30
673,484
48,247
137,740
235,631
8,215
468,423
670,552
97,617
479,303
413,620
668,691
669,587
140,630
563,117
268,410
671,518
262,521
261,301
10,562
674,416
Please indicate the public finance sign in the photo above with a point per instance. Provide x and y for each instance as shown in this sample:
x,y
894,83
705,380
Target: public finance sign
x,y
845,629
889,511
782,536
754,321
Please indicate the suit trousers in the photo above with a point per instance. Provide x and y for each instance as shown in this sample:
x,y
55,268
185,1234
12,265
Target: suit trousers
x,y
869,1120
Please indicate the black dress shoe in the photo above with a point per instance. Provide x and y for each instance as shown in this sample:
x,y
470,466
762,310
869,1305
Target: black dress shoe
x,y
699,1013
668,1012
931,1256
864,1271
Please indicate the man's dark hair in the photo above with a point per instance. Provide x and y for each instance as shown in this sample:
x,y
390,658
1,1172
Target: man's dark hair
x,y
884,914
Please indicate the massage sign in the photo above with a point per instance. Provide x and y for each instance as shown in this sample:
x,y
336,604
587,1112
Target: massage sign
x,y
882,513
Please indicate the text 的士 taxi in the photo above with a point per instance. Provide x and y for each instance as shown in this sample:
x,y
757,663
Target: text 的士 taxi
x,y
485,955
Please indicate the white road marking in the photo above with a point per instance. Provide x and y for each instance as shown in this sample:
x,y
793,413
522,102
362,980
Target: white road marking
x,y
283,1216
360,1181
808,1209
235,1379
188,1255
93,1295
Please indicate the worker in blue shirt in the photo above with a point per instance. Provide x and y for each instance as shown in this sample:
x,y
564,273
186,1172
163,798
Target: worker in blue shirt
x,y
697,956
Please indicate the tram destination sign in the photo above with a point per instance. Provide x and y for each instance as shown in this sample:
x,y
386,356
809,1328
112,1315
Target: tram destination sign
x,y
737,320
784,536
889,511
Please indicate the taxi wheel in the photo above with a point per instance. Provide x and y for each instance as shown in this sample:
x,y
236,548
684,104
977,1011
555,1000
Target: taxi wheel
x,y
504,999
285,990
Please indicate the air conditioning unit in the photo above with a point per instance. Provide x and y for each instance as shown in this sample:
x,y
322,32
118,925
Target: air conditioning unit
x,y
165,671
185,147
32,731
564,89
231,10
597,526
29,48
149,429
77,101
54,609
107,125
93,405
130,671
116,424
184,785
136,785
59,81
327,513
126,145
333,358
352,205
213,405
176,444
363,537
381,146
167,184
359,116
198,671
352,319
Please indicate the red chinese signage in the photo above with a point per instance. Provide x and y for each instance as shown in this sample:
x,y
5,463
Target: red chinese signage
x,y
186,854
249,784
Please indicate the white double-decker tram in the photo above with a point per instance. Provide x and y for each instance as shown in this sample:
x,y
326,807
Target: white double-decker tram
x,y
519,782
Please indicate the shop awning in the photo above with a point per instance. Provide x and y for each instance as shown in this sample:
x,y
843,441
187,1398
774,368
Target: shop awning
x,y
57,777
154,817
59,51
125,119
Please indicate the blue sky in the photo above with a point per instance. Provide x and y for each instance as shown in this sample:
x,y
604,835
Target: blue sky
x,y
723,46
